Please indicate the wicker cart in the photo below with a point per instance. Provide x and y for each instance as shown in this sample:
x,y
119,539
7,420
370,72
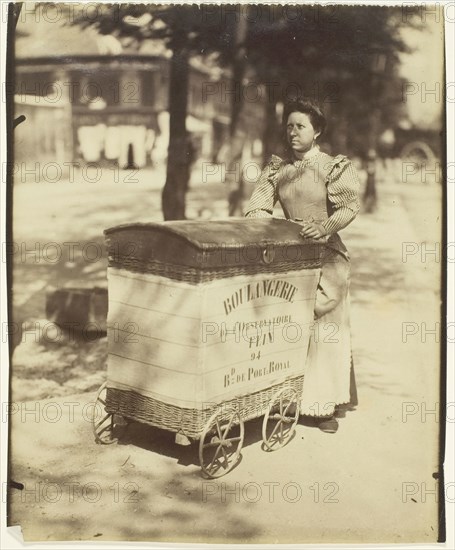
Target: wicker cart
x,y
208,327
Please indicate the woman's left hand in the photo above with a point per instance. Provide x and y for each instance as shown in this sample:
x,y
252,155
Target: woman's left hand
x,y
313,231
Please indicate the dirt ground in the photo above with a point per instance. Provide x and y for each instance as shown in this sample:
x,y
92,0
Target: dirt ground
x,y
373,481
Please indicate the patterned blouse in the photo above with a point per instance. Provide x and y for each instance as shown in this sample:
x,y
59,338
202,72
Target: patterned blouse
x,y
342,184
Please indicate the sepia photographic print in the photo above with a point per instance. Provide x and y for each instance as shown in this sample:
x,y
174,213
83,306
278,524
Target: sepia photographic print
x,y
227,277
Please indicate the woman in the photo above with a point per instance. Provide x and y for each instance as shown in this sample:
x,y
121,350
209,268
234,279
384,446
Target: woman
x,y
322,193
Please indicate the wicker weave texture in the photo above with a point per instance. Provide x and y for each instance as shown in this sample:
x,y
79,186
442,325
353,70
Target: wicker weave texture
x,y
194,275
191,422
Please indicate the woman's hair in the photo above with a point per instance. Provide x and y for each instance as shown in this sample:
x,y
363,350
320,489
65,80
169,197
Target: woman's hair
x,y
308,107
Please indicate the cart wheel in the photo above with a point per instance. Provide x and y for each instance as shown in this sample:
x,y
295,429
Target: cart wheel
x,y
107,427
221,443
278,427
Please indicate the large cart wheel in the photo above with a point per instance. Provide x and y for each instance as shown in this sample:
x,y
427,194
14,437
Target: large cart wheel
x,y
107,427
278,427
221,442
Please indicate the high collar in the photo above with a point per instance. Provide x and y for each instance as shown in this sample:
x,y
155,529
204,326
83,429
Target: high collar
x,y
309,154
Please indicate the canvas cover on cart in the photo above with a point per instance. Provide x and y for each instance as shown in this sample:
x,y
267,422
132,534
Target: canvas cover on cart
x,y
201,312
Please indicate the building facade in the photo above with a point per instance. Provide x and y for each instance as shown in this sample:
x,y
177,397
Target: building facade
x,y
114,108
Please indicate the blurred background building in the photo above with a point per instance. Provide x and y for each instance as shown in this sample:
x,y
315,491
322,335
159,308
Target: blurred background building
x,y
88,98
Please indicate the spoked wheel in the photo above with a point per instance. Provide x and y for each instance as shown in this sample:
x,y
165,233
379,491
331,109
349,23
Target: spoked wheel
x,y
221,443
278,427
107,427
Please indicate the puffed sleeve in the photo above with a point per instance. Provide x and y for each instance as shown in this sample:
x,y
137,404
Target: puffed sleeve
x,y
343,188
264,195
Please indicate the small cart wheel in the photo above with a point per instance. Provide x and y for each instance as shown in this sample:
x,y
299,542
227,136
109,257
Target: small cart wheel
x,y
107,427
221,442
278,427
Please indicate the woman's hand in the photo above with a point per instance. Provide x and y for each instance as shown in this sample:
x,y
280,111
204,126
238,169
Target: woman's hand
x,y
313,230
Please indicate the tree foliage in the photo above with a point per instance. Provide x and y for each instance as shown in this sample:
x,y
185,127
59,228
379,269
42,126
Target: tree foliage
x,y
330,53
186,30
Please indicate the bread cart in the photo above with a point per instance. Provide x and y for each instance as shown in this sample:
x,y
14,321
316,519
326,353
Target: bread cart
x,y
208,327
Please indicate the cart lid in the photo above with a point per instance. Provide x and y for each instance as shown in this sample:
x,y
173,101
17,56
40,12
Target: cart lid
x,y
213,234
207,245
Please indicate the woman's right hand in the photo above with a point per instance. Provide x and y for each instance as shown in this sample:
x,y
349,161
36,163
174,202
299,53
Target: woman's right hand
x,y
312,230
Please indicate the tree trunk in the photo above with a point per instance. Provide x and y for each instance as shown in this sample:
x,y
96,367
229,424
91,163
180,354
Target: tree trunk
x,y
236,134
178,170
238,72
370,196
271,132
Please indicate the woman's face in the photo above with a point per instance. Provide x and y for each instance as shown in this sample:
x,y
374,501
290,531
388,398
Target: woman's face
x,y
300,132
